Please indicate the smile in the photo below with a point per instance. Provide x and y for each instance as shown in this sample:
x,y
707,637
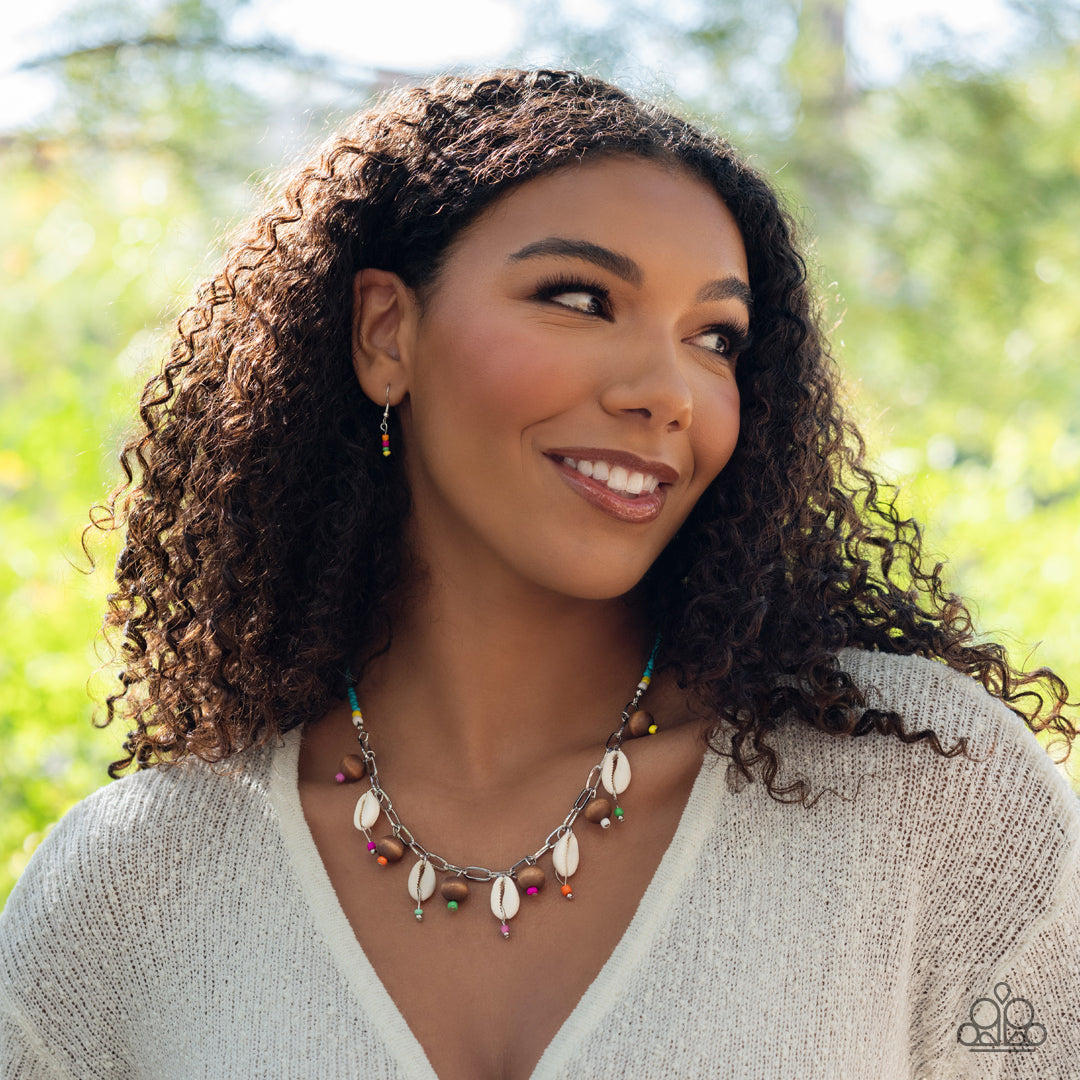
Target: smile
x,y
622,485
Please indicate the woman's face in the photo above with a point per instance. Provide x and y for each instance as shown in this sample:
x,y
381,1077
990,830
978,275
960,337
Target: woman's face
x,y
571,381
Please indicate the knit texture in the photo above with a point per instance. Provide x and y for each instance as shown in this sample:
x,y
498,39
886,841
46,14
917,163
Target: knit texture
x,y
179,923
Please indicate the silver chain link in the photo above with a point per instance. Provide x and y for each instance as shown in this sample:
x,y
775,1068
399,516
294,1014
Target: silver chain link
x,y
482,873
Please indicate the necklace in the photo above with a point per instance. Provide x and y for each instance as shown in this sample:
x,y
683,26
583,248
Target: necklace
x,y
612,772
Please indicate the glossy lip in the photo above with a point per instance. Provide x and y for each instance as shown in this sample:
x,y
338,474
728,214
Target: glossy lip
x,y
638,509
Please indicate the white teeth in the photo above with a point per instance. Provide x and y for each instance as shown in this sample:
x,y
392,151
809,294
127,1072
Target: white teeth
x,y
617,478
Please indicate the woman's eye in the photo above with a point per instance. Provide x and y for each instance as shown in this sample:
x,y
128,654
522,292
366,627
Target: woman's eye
x,y
715,341
729,341
580,296
580,301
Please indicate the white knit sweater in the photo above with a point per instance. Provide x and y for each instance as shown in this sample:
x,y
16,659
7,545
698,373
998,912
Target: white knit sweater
x,y
179,924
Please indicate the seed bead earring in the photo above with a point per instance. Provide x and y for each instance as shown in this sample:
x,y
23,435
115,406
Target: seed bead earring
x,y
384,427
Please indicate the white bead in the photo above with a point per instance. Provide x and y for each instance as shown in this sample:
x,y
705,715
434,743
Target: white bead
x,y
505,899
421,881
615,772
564,855
605,823
367,811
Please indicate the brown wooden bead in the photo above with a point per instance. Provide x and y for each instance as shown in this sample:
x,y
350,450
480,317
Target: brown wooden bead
x,y
352,768
390,848
455,888
639,723
530,877
597,809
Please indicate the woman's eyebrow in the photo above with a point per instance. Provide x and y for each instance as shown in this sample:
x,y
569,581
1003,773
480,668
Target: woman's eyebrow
x,y
622,266
726,288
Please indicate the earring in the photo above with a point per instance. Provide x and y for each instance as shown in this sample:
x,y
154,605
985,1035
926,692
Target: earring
x,y
384,426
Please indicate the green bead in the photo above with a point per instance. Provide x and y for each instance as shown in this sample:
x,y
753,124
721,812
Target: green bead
x,y
618,811
451,905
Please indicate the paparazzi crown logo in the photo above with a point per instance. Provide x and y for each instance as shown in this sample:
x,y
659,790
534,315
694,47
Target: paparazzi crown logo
x,y
1006,1025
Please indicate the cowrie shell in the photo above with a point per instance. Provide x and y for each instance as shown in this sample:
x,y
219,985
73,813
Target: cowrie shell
x,y
615,772
367,811
421,881
564,855
505,899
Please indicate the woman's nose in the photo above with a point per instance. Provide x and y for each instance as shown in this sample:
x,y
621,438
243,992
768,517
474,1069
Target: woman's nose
x,y
647,380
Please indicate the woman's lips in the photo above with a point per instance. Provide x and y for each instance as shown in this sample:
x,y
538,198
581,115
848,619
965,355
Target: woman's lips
x,y
634,508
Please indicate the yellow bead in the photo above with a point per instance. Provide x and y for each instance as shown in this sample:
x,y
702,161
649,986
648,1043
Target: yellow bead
x,y
653,729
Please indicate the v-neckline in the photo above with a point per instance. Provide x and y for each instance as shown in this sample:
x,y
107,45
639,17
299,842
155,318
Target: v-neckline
x,y
332,923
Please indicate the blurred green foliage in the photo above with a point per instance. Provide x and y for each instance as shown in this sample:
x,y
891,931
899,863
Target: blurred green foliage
x,y
948,224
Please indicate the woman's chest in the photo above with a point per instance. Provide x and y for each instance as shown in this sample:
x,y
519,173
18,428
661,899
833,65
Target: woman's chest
x,y
481,1004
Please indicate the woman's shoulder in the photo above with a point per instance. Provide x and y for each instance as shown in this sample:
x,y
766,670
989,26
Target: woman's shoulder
x,y
135,832
928,695
1007,774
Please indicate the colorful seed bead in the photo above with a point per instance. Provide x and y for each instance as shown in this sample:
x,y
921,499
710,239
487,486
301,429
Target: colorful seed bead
x,y
504,929
532,890
371,846
451,905
618,813
385,445
382,860
567,892
339,777
419,913
653,729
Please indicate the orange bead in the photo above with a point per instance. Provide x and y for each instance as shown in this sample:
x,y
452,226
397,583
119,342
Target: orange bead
x,y
382,860
567,891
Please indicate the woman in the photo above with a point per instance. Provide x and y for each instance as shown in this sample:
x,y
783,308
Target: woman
x,y
513,410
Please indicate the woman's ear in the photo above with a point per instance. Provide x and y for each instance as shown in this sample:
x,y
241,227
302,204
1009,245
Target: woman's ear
x,y
384,317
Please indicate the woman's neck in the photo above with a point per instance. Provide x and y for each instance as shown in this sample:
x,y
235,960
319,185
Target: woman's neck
x,y
482,683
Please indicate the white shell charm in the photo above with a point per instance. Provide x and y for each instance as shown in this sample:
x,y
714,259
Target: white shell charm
x,y
367,811
421,885
564,855
615,772
505,900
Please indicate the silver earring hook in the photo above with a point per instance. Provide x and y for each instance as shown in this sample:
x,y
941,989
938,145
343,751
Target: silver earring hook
x,y
384,425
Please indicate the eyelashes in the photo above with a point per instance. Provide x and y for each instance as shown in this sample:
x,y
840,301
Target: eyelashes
x,y
735,338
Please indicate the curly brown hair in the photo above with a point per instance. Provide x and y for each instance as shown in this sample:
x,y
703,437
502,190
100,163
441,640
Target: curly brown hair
x,y
263,528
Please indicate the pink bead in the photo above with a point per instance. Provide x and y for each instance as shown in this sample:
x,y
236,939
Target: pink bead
x,y
371,845
532,890
339,777
504,930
